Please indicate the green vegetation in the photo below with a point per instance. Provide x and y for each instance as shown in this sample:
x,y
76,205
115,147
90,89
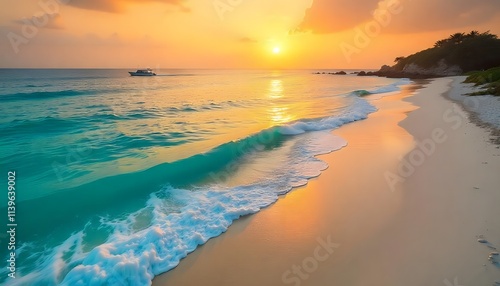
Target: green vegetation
x,y
489,79
472,51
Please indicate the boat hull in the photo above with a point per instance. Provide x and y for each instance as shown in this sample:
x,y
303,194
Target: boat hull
x,y
141,74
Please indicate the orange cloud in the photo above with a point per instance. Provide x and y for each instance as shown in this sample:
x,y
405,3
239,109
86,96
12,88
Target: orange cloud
x,y
118,6
330,16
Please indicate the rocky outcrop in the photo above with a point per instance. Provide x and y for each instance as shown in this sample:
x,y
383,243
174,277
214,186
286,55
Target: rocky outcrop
x,y
412,71
440,69
386,68
415,71
334,73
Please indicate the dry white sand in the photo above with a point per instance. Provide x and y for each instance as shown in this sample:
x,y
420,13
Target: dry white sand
x,y
487,108
403,204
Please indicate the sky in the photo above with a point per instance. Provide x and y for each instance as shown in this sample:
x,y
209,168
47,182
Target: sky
x,y
275,34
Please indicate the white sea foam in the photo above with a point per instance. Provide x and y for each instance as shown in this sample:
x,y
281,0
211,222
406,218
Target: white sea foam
x,y
136,258
385,90
52,261
357,111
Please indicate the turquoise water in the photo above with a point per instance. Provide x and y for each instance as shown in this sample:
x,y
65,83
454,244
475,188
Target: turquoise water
x,y
119,177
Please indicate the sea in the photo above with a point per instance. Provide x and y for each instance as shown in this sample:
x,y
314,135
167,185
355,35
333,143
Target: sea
x,y
117,178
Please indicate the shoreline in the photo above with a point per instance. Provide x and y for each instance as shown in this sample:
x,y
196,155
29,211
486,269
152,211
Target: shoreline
x,y
369,227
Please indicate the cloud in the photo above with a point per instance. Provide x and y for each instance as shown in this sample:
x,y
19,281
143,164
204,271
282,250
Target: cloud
x,y
47,21
330,16
119,6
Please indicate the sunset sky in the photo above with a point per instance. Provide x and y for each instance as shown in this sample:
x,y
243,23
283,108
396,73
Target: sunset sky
x,y
230,33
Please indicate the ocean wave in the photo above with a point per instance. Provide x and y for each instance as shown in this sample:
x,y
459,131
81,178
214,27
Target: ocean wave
x,y
205,107
358,111
106,116
46,94
176,206
384,89
179,220
206,213
39,85
133,257
43,125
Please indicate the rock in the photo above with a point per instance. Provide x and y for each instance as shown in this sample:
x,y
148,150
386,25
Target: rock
x,y
386,68
481,240
494,253
440,69
414,71
341,73
361,73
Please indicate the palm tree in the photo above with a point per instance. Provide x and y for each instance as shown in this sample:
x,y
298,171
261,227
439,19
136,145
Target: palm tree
x,y
488,35
473,34
441,43
457,38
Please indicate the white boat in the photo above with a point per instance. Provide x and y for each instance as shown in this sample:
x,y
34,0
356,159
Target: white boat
x,y
146,72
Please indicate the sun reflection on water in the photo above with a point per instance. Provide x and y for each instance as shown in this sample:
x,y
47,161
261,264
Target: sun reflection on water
x,y
276,89
279,113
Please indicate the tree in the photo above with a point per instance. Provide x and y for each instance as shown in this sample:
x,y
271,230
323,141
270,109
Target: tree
x,y
441,43
472,34
470,51
488,35
457,38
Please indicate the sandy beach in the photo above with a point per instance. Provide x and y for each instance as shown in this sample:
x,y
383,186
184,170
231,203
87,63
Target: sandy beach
x,y
403,204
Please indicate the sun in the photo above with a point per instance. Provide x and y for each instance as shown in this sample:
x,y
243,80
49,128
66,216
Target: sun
x,y
276,50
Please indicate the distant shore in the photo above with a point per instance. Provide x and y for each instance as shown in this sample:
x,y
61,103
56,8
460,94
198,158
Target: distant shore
x,y
382,73
405,203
